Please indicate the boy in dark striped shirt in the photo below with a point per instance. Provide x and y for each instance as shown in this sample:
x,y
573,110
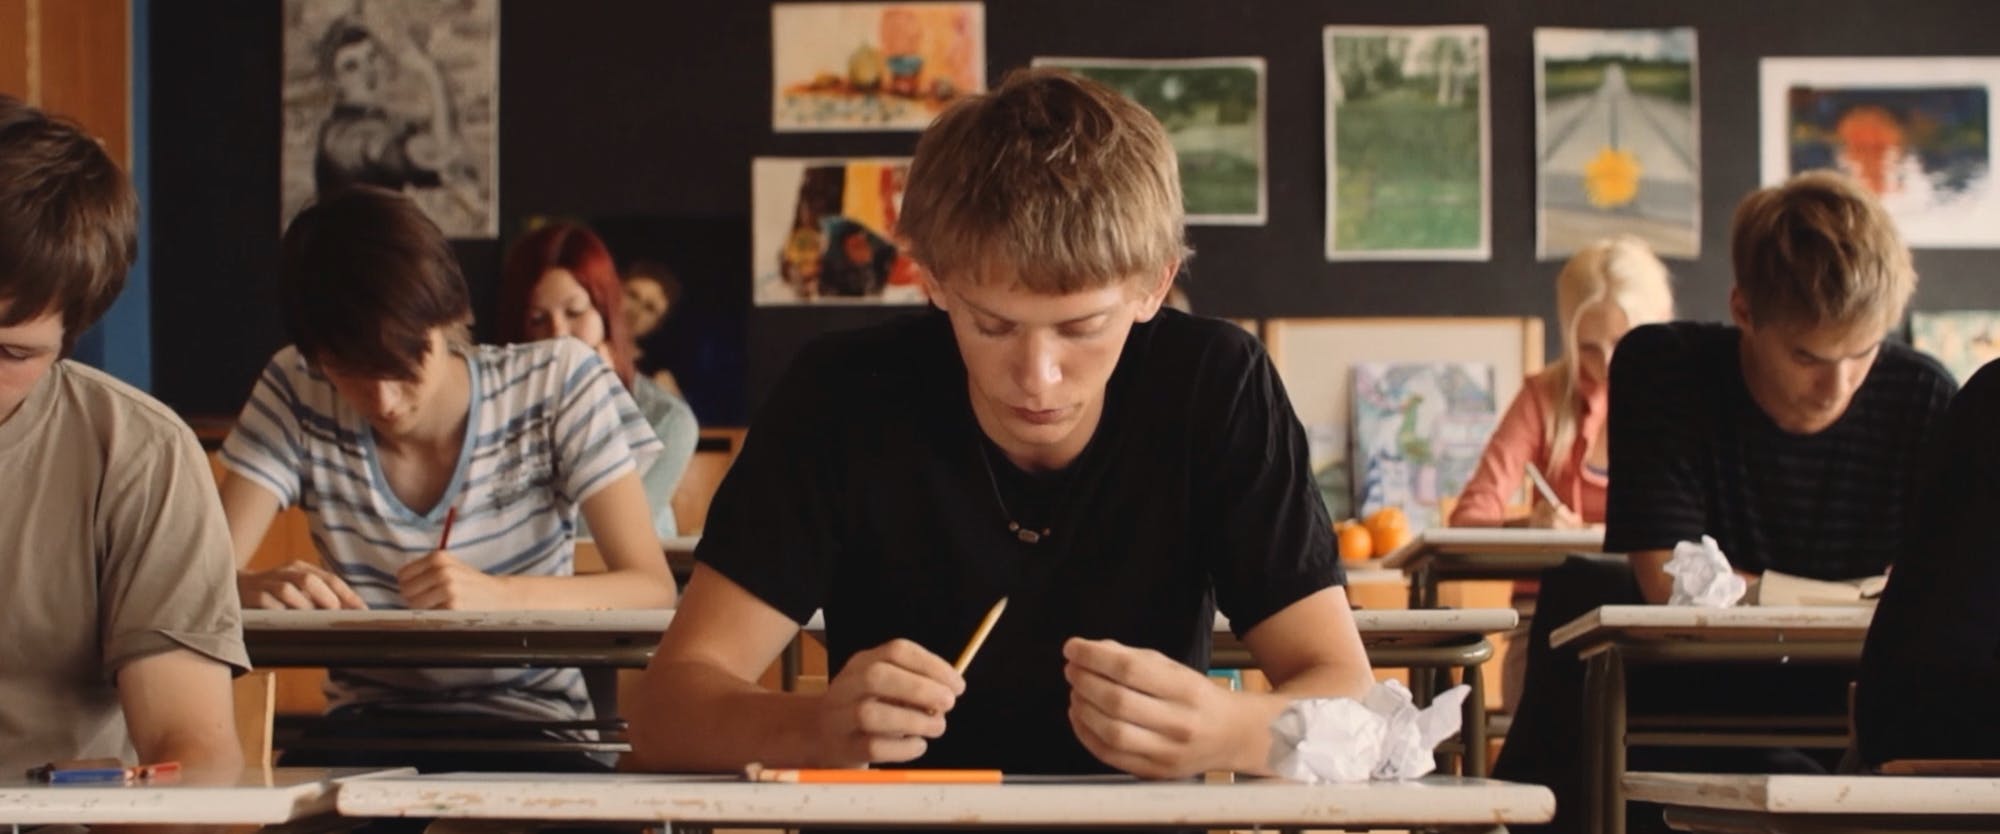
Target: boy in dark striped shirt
x,y
1793,438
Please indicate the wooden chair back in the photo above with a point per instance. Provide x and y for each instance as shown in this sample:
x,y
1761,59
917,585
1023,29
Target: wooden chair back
x,y
256,695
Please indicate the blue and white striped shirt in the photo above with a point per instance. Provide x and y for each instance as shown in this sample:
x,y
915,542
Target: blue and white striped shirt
x,y
548,427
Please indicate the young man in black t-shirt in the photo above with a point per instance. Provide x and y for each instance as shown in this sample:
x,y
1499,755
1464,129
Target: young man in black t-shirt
x,y
1050,436
1793,438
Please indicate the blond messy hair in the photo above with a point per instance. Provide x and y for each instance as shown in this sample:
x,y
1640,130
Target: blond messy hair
x,y
1052,181
1621,271
1820,250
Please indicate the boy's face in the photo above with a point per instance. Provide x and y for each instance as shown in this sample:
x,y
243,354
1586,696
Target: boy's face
x,y
27,350
393,407
1037,365
1804,377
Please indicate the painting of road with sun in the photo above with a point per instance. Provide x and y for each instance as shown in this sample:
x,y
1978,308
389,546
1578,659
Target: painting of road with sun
x,y
1617,140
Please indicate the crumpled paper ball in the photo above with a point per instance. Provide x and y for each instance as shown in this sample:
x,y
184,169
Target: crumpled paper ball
x,y
1702,576
1382,736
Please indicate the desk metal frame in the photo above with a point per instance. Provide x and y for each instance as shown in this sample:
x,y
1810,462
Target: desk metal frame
x,y
1463,553
1609,650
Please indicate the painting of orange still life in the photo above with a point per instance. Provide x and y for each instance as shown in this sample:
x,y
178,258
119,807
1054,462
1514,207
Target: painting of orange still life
x,y
823,231
872,66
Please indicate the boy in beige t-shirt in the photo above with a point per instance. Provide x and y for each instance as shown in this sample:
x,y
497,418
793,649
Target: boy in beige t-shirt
x,y
117,594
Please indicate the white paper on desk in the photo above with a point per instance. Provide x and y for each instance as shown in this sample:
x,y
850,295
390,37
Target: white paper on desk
x,y
1776,588
1702,576
1382,736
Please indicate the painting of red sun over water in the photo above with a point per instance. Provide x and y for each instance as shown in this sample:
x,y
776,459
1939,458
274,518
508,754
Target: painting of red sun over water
x,y
1921,140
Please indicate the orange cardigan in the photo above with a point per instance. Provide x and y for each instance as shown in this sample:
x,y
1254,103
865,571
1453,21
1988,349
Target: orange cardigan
x,y
1522,437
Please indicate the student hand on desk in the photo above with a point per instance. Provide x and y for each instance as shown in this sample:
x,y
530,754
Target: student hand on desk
x,y
297,585
1547,516
886,703
1141,712
440,580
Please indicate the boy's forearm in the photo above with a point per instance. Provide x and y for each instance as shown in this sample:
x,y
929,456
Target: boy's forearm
x,y
1649,569
709,721
1254,711
203,759
612,589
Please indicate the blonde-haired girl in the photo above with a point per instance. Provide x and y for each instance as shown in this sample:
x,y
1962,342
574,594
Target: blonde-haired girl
x,y
1557,422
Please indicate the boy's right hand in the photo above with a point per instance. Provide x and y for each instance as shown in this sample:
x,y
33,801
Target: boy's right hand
x,y
886,703
297,585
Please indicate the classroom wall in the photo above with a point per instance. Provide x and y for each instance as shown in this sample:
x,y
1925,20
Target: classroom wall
x,y
77,60
637,107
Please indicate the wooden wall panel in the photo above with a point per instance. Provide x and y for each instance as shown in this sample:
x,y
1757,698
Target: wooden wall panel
x,y
84,51
14,48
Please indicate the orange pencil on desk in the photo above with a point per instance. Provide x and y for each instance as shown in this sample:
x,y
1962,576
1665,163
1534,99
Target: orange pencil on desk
x,y
865,776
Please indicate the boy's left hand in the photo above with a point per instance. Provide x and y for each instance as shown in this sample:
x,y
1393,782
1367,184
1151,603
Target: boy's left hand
x,y
440,580
1141,712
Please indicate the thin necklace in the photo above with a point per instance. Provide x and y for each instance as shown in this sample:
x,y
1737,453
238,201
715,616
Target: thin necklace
x,y
1027,535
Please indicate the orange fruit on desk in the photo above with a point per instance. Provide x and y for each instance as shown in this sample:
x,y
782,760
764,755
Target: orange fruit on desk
x,y
1388,529
1356,543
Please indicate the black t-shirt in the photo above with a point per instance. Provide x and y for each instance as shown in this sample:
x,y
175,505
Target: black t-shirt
x,y
861,490
1693,454
1930,673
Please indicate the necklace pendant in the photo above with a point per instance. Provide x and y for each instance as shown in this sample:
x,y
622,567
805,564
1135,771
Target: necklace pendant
x,y
1026,535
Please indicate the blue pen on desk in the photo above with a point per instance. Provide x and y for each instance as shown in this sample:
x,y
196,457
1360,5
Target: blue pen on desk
x,y
87,775
101,772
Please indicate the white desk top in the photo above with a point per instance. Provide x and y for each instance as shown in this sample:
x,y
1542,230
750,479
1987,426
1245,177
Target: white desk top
x,y
697,800
1687,622
1374,574
254,799
652,620
656,620
1440,620
1494,540
1929,795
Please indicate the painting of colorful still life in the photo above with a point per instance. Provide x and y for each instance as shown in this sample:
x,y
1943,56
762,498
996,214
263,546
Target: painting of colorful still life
x,y
823,232
1917,132
1419,429
872,66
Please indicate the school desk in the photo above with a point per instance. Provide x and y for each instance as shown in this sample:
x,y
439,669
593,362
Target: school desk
x,y
1789,804
708,801
597,642
1443,554
256,797
1435,639
421,639
1615,637
1440,639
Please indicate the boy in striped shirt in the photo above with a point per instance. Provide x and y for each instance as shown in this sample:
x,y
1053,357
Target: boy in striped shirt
x,y
386,427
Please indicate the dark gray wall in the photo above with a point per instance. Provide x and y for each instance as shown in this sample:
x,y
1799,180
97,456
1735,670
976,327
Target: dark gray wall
x,y
645,108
